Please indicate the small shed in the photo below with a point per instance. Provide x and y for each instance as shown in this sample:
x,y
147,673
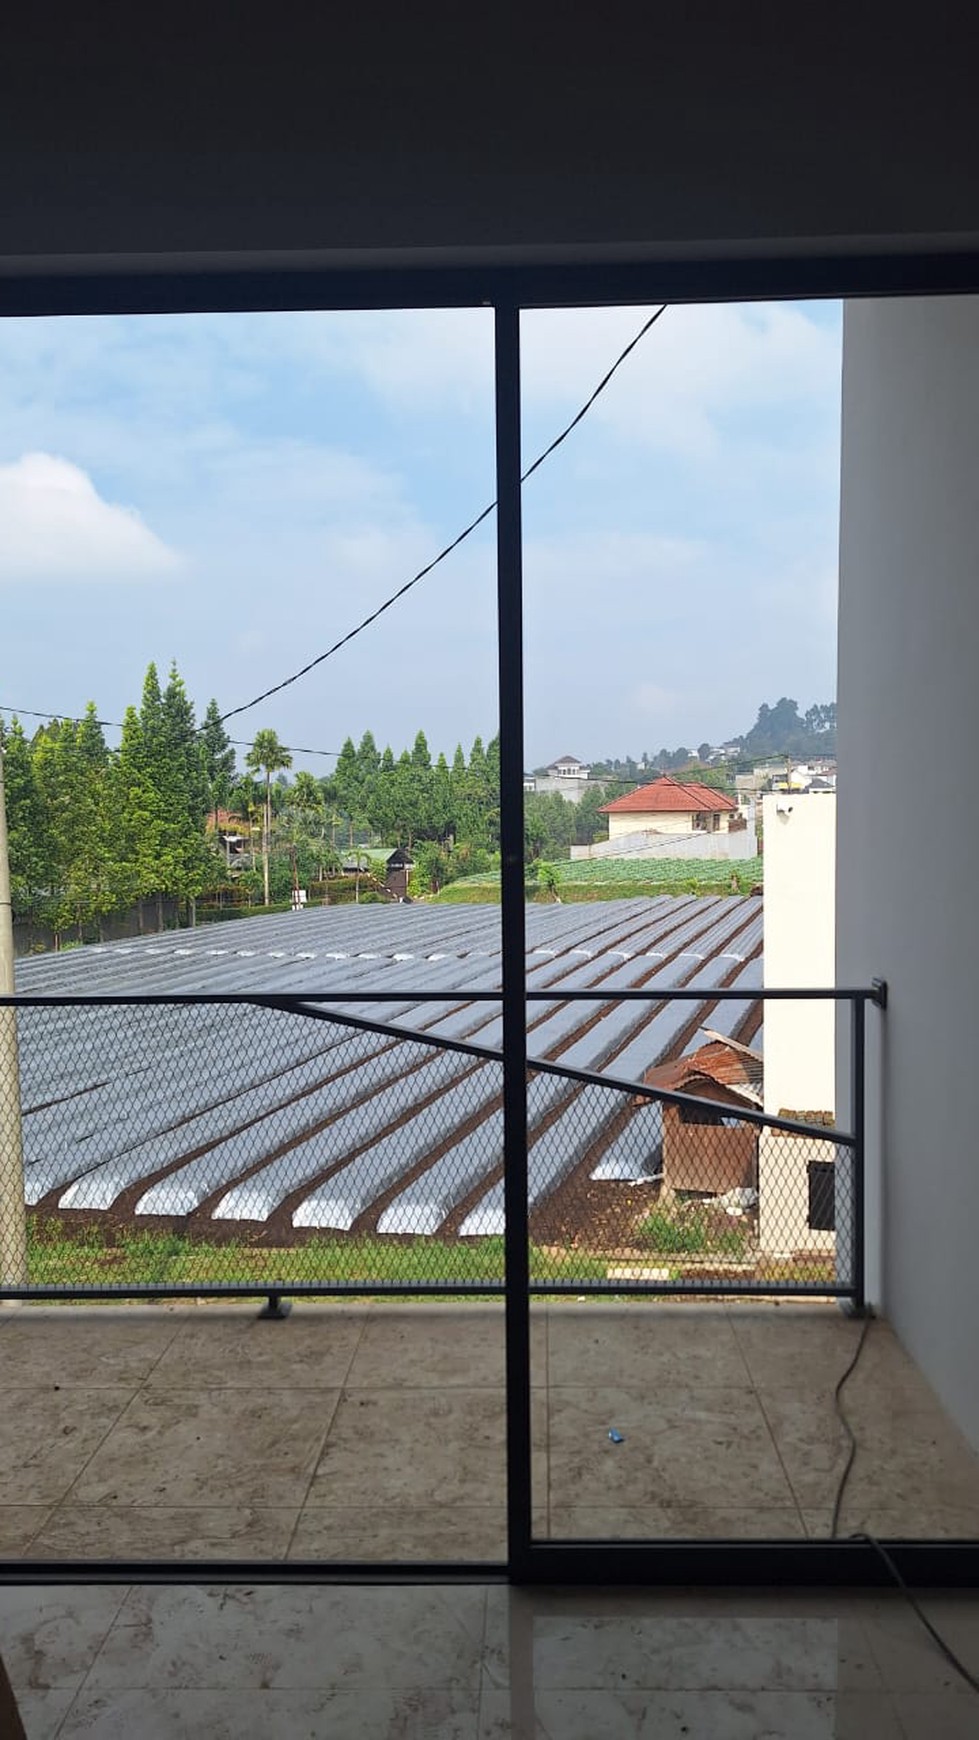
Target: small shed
x,y
708,1151
397,871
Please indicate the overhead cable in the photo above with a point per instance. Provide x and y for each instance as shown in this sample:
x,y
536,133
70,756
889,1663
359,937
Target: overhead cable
x,y
345,640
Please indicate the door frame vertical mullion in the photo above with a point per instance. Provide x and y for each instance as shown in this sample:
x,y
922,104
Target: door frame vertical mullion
x,y
509,594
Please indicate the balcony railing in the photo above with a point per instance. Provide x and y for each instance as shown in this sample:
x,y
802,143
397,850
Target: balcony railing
x,y
273,1145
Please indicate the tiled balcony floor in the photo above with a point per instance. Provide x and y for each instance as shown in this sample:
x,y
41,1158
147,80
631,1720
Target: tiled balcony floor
x,y
478,1663
377,1431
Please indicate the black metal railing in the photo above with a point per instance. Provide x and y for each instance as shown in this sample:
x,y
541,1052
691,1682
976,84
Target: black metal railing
x,y
250,1145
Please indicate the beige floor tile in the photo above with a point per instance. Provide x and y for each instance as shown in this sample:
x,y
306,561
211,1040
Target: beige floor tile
x,y
202,1448
626,1715
936,1715
323,1639
413,1447
780,1343
416,1533
102,1531
42,1713
47,1436
75,1348
901,1459
309,1350
722,1651
710,1449
909,1660
926,1518
19,1523
658,1348
440,1714
673,1522
424,1347
49,1638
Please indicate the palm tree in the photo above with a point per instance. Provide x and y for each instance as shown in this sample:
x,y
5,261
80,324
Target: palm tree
x,y
267,755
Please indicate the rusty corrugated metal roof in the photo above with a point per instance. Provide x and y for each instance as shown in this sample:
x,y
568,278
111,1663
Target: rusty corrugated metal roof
x,y
721,1064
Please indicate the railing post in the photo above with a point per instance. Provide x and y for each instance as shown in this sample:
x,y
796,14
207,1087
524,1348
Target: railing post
x,y
858,1067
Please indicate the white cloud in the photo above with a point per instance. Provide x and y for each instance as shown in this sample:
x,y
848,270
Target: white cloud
x,y
696,366
56,526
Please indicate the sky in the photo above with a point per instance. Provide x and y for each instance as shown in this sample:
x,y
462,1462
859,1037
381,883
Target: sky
x,y
235,492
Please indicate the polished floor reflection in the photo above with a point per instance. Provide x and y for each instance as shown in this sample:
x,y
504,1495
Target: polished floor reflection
x,y
478,1663
377,1431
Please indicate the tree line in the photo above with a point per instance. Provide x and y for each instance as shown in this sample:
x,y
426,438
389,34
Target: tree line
x,y
96,830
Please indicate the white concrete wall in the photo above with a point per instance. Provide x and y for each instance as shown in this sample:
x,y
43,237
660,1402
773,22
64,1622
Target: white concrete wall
x,y
800,874
908,898
645,843
800,1038
660,822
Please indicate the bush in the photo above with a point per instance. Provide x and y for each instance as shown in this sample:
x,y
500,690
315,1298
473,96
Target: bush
x,y
690,1231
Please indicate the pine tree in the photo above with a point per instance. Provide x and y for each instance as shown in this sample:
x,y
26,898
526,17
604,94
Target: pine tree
x,y
138,818
187,794
219,760
89,848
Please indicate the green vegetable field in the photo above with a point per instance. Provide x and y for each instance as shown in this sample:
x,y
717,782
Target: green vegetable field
x,y
621,879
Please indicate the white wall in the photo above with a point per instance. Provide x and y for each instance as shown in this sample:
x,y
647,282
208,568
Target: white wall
x,y
800,1038
647,843
908,897
660,822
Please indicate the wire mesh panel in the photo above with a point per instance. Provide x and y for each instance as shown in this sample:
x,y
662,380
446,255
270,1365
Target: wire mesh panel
x,y
206,1143
689,1196
195,1144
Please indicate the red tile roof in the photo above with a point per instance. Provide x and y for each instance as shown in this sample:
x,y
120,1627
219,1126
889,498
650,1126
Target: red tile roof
x,y
668,794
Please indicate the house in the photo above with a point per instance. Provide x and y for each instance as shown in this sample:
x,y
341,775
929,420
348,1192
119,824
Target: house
x,y
567,776
567,767
397,871
669,806
710,1152
232,832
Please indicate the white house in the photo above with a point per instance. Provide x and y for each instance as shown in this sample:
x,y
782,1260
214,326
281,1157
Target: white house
x,y
568,767
669,806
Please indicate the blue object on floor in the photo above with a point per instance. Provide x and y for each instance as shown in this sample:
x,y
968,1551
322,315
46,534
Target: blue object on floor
x,y
616,1437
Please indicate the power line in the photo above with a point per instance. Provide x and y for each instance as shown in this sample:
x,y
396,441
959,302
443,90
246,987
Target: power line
x,y
116,725
304,671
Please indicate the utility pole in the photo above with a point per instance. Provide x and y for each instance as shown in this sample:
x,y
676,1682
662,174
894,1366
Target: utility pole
x,y
13,1212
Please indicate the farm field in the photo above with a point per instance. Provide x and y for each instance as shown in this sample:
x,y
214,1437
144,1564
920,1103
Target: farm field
x,y
620,879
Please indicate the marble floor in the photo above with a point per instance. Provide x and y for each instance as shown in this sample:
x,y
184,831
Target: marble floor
x,y
376,1431
482,1663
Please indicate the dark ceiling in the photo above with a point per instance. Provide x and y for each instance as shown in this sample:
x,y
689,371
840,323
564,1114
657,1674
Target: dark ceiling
x,y
457,136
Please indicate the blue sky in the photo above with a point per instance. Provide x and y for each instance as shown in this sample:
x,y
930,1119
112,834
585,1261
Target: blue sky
x,y
237,491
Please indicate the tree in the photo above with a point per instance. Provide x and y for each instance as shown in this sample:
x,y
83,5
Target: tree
x,y
136,817
589,825
346,778
304,813
549,825
29,841
267,755
186,795
218,756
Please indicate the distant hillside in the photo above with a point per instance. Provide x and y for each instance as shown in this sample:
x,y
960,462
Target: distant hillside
x,y
777,730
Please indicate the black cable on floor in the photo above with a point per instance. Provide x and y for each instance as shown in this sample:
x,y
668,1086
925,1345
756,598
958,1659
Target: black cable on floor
x,y
970,1678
